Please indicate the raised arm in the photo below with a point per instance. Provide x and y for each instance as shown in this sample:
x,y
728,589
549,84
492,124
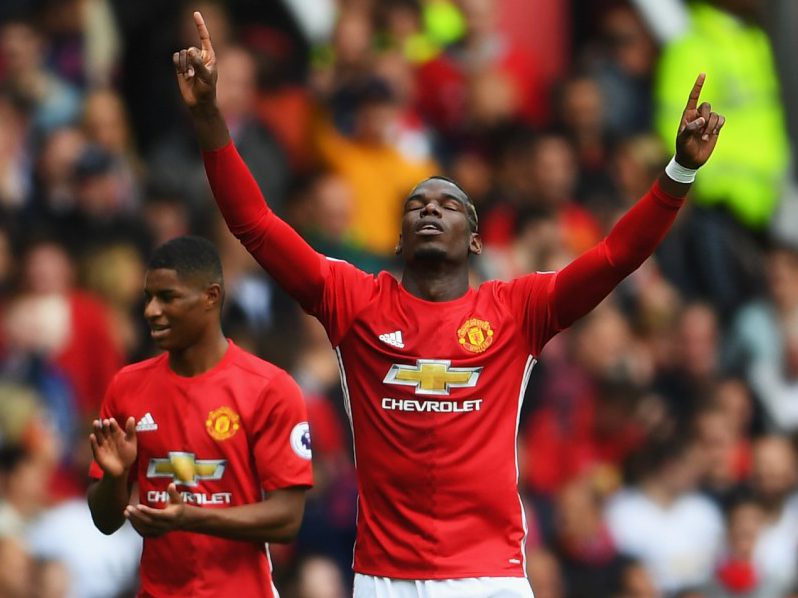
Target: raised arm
x,y
584,283
274,244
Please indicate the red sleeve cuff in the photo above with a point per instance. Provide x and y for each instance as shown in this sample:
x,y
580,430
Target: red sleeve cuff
x,y
666,199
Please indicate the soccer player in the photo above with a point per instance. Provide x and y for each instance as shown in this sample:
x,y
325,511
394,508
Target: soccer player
x,y
215,439
434,371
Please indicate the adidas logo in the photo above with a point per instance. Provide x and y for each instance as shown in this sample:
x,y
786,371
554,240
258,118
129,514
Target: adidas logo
x,y
146,424
393,338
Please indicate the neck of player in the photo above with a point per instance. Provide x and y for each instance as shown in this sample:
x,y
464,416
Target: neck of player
x,y
436,281
199,357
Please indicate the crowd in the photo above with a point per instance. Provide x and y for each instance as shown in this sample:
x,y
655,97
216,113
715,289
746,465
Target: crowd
x,y
657,441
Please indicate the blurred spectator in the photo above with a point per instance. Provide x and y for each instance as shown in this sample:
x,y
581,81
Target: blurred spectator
x,y
379,175
736,195
105,124
544,570
54,102
15,158
175,163
54,192
663,521
97,565
622,65
64,324
634,581
764,341
774,480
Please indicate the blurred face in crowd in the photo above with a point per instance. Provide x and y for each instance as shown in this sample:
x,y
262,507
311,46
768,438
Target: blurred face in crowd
x,y
582,106
178,309
352,37
698,341
774,474
48,269
237,86
57,160
717,440
375,122
553,171
481,17
734,399
105,122
637,583
333,206
21,48
578,514
435,225
628,41
745,524
782,277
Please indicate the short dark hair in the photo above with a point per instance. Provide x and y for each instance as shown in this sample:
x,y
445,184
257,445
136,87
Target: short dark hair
x,y
471,209
190,257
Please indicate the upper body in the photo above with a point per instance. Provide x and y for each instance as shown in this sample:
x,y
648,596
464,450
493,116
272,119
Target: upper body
x,y
215,440
748,172
433,371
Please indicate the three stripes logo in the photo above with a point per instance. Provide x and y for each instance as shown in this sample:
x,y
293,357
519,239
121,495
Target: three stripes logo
x,y
393,338
146,424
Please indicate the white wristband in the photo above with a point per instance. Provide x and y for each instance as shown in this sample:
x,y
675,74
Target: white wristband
x,y
679,173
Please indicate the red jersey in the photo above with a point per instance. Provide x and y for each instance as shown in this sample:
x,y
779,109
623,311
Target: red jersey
x,y
433,389
224,438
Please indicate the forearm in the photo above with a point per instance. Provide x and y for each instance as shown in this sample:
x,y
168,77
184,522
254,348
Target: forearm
x,y
279,249
272,520
107,500
584,283
210,126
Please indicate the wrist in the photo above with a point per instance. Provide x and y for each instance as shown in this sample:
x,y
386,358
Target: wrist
x,y
680,173
205,110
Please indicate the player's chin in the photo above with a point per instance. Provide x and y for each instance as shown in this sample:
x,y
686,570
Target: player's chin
x,y
430,252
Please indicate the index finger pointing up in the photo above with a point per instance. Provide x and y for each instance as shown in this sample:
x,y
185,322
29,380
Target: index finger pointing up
x,y
205,37
695,93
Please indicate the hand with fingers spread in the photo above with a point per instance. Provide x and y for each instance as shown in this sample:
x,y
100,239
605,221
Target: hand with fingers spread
x,y
196,69
698,130
114,449
149,522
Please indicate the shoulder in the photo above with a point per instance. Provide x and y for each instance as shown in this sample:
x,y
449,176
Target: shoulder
x,y
260,371
139,370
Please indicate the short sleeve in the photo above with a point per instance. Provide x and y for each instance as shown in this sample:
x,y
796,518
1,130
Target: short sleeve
x,y
347,291
110,408
281,443
530,300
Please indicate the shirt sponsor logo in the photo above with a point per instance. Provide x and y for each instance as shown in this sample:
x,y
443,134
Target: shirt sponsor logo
x,y
146,424
393,338
222,423
155,497
431,406
475,335
300,440
432,377
185,469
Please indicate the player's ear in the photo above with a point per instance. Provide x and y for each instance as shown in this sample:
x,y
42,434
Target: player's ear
x,y
475,244
213,295
398,249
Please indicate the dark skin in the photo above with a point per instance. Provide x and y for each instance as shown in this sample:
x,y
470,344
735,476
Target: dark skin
x,y
184,318
436,263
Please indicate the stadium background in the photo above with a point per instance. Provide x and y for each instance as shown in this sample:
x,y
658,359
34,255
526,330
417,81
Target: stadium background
x,y
657,441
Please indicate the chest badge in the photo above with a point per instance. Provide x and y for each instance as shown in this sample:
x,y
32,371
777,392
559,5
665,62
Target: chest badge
x,y
475,335
222,423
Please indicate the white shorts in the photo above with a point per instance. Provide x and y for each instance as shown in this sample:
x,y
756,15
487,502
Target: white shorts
x,y
368,586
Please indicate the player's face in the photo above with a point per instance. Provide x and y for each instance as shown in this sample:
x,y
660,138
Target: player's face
x,y
435,224
176,310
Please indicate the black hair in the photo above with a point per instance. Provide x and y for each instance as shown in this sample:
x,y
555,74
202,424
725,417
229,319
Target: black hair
x,y
471,209
190,257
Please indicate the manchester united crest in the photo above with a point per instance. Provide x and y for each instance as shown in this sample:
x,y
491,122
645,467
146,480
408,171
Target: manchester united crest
x,y
222,423
475,335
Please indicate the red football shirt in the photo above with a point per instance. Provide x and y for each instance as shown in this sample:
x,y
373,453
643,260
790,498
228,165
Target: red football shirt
x,y
433,389
225,438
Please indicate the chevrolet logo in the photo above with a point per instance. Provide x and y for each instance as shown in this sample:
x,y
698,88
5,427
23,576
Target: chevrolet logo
x,y
432,377
185,469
